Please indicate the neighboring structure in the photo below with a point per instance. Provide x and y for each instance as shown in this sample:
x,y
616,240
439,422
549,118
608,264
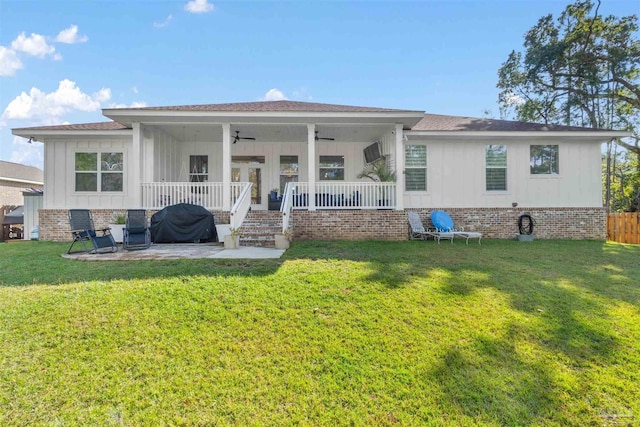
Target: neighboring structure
x,y
484,172
14,179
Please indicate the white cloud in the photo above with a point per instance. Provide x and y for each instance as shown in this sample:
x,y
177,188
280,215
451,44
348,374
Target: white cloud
x,y
27,154
9,62
165,23
198,6
70,36
274,95
135,89
34,45
50,107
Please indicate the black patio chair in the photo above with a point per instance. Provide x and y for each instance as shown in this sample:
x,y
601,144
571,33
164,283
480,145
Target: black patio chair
x,y
93,241
136,231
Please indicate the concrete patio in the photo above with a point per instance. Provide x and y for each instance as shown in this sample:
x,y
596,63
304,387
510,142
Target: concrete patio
x,y
181,251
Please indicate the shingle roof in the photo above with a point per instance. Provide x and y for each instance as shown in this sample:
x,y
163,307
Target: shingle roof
x,y
81,126
21,172
272,106
436,122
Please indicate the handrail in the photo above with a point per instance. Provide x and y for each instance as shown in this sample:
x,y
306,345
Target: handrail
x,y
240,207
157,195
287,206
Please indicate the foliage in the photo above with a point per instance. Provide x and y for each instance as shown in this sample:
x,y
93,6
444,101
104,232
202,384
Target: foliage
x,y
378,171
334,333
624,183
117,218
582,69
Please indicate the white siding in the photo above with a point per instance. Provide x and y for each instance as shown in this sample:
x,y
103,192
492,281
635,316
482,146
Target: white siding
x,y
456,176
59,192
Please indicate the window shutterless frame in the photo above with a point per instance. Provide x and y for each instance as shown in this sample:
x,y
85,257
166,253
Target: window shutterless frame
x,y
99,171
415,167
496,168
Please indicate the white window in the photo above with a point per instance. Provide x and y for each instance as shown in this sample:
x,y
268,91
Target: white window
x,y
544,160
415,163
97,171
496,168
331,168
198,168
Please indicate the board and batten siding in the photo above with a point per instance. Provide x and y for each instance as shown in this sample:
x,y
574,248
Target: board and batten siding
x,y
456,176
59,175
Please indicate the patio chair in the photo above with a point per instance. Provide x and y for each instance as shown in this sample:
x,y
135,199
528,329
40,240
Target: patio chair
x,y
136,230
444,225
93,241
416,228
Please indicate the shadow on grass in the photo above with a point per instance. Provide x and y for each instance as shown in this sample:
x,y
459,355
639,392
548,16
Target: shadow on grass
x,y
489,382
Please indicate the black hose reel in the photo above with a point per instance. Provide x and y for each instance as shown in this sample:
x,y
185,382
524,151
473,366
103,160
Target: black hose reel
x,y
525,224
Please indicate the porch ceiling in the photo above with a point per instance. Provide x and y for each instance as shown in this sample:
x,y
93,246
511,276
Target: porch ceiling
x,y
277,133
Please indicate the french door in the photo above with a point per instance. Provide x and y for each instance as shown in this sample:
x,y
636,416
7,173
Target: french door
x,y
250,169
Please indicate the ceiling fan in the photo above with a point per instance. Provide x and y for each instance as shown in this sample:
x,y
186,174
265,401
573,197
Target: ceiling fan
x,y
324,139
237,137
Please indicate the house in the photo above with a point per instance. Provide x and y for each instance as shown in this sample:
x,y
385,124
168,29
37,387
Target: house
x,y
16,182
228,157
14,179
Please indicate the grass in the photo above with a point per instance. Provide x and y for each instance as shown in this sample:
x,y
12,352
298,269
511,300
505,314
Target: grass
x,y
334,333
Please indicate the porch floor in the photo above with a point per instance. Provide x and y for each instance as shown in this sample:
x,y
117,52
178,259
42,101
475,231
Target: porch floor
x,y
162,251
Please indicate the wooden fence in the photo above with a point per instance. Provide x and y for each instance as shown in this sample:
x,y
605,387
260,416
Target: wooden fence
x,y
624,227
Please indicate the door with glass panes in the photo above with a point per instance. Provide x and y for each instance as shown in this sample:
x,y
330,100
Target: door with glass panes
x,y
250,169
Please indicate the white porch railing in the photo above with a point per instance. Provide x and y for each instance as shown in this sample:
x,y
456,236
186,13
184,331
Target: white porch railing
x,y
287,206
345,195
157,195
241,207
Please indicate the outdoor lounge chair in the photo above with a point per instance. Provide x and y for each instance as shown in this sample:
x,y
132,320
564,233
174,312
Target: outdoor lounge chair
x,y
416,228
136,231
84,232
444,225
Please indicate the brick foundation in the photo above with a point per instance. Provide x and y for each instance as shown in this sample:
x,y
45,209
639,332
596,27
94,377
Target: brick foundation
x,y
549,223
54,223
499,223
350,225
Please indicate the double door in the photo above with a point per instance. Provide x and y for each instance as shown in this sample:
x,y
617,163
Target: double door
x,y
250,170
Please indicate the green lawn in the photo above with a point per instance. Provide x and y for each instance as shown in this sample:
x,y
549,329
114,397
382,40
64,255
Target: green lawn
x,y
334,333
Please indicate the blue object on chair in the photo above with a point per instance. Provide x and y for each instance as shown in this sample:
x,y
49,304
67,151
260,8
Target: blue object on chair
x,y
441,221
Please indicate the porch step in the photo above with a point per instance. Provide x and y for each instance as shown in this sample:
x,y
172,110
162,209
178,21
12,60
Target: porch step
x,y
259,227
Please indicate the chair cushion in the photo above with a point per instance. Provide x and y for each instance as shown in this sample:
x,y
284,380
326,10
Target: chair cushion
x,y
441,221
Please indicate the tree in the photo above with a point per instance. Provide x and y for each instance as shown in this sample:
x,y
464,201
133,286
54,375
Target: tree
x,y
582,69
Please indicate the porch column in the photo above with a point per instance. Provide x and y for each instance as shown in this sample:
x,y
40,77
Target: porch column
x,y
311,162
399,167
226,167
136,166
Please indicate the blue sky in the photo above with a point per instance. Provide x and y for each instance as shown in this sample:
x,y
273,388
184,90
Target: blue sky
x,y
62,61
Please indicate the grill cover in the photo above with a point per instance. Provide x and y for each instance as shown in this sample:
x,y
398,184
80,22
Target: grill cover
x,y
183,223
